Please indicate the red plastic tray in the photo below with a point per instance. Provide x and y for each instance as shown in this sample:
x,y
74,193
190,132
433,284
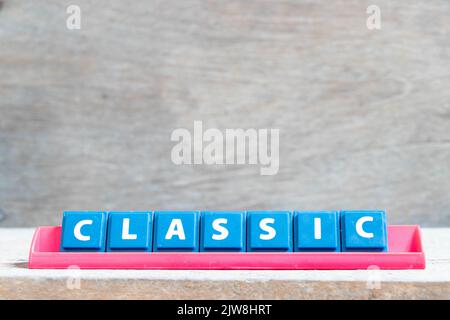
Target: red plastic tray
x,y
405,252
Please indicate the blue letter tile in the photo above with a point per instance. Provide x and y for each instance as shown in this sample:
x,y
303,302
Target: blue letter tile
x,y
176,231
363,231
269,231
130,231
222,231
317,231
83,231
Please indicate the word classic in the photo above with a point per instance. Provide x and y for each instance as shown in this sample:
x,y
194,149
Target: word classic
x,y
224,231
212,146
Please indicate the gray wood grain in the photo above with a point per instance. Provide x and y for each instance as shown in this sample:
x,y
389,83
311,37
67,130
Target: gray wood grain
x,y
86,115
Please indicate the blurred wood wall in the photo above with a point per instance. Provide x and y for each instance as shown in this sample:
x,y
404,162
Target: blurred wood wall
x,y
86,115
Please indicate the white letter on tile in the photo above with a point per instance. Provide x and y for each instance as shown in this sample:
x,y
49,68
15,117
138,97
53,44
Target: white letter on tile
x,y
126,230
77,230
317,229
223,231
176,229
271,233
359,227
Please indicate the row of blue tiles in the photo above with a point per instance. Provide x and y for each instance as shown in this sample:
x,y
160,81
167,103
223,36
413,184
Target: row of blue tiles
x,y
224,231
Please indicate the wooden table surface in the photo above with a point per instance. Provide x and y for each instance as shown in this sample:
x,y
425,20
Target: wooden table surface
x,y
19,282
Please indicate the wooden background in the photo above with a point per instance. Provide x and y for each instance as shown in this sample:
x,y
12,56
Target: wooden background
x,y
86,115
